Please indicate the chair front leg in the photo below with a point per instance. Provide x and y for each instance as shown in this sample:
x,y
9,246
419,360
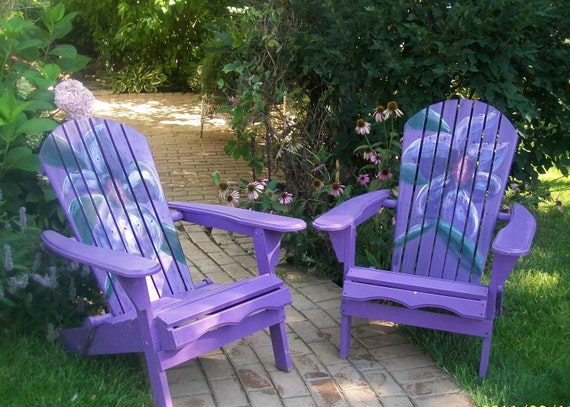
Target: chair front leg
x,y
345,324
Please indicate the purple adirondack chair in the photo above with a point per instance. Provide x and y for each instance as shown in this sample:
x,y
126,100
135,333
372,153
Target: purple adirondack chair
x,y
456,158
104,177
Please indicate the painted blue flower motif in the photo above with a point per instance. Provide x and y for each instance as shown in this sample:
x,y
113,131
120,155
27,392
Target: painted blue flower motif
x,y
452,174
110,197
113,202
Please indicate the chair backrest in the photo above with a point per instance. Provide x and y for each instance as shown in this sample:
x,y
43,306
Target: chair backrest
x,y
104,177
456,158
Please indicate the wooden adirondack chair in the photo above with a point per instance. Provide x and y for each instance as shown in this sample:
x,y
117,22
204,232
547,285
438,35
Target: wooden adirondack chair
x,y
454,168
104,177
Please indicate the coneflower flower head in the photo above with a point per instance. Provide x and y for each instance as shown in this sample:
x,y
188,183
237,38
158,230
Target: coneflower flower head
x,y
254,189
362,127
317,184
286,198
363,179
232,198
379,113
392,109
337,189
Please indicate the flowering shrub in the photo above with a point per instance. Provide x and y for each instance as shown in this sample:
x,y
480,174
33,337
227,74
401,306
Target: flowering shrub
x,y
377,156
74,99
34,284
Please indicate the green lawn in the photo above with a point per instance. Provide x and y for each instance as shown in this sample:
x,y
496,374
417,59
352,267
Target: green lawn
x,y
530,357
34,372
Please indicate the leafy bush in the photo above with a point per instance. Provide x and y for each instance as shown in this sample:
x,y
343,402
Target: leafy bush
x,y
167,36
300,74
33,62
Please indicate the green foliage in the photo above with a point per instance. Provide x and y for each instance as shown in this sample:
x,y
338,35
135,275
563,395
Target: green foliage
x,y
338,57
164,35
299,74
137,79
33,60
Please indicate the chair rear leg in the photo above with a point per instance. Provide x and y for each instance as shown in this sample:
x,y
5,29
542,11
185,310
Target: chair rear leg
x,y
345,324
280,347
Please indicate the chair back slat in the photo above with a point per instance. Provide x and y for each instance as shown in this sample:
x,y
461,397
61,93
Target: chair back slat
x,y
103,174
456,158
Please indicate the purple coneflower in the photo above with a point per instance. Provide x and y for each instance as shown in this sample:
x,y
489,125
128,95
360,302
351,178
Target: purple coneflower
x,y
392,110
376,158
286,198
254,189
385,174
318,184
223,189
317,168
363,179
379,113
362,127
232,198
337,189
368,153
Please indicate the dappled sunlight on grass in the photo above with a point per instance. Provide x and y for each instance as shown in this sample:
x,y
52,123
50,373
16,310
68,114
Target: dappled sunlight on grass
x,y
540,282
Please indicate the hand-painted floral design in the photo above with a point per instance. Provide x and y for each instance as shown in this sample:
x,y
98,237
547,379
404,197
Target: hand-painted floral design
x,y
114,200
452,174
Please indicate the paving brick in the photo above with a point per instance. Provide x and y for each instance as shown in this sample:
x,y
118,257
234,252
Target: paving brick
x,y
229,393
326,393
216,366
407,362
383,384
289,384
240,354
200,400
418,374
402,401
434,387
361,397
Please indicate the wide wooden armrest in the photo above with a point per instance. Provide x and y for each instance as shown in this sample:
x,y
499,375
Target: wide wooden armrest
x,y
235,219
515,239
120,263
353,211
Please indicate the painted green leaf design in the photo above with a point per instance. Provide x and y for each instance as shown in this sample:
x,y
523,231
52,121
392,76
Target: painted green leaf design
x,y
469,255
412,233
408,174
432,123
56,152
171,243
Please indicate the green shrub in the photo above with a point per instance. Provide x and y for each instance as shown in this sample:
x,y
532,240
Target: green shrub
x,y
299,74
165,35
32,62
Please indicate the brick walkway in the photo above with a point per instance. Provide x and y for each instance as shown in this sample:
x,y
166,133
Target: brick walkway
x,y
383,369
